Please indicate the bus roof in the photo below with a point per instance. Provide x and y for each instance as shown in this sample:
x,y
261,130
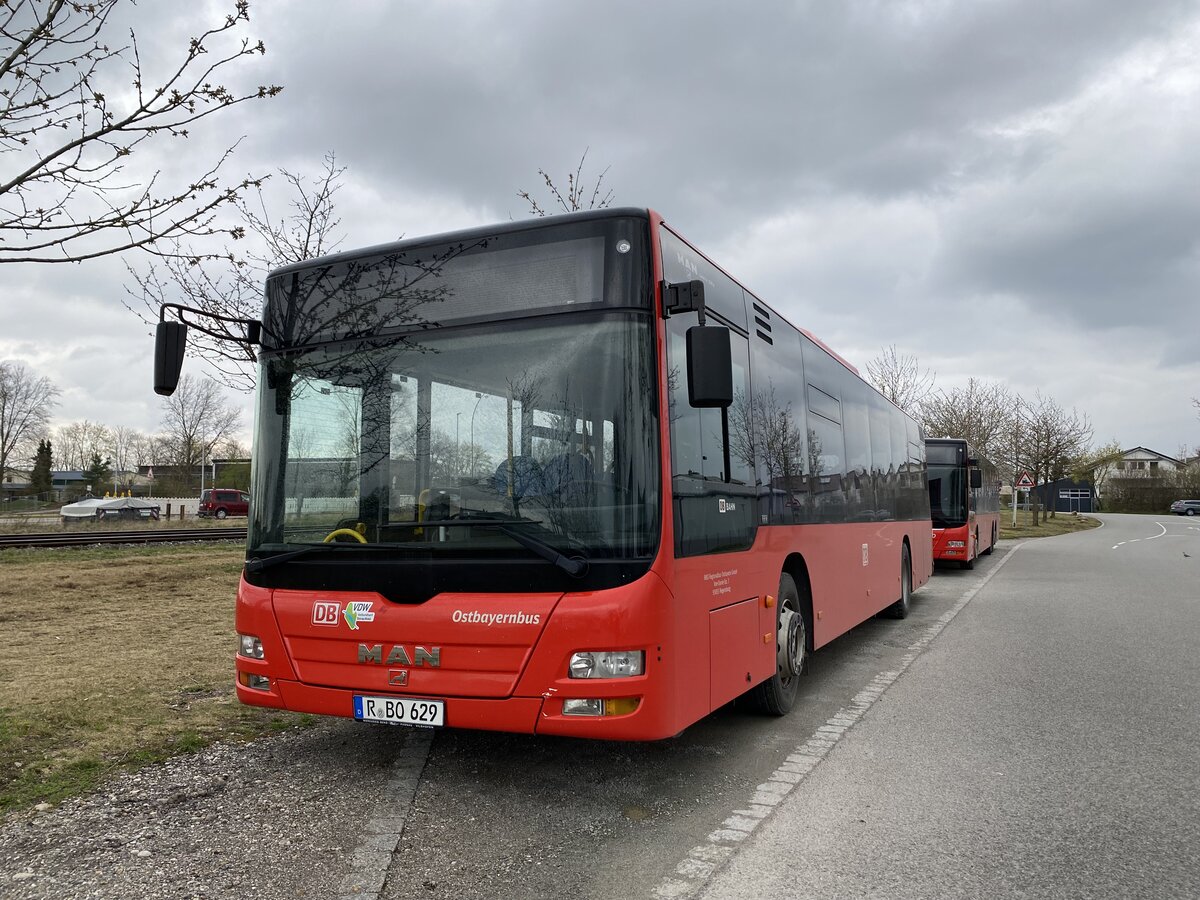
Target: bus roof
x,y
466,234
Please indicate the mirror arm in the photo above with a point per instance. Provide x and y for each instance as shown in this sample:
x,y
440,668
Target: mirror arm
x,y
686,296
254,328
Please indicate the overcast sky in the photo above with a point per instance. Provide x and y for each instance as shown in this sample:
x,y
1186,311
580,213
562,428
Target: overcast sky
x,y
1005,190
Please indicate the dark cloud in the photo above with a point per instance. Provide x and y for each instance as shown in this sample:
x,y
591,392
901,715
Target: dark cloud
x,y
965,180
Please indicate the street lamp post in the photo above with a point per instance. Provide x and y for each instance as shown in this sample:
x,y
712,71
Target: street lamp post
x,y
478,397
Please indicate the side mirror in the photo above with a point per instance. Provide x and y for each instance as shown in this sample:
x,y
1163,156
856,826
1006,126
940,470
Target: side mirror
x,y
976,478
709,366
170,339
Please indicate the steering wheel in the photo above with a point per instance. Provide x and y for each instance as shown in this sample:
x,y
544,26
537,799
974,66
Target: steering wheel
x,y
344,532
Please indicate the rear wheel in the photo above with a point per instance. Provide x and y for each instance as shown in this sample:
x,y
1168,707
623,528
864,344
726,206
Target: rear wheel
x,y
899,609
992,545
777,694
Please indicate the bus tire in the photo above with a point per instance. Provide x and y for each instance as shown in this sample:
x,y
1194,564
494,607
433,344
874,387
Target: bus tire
x,y
777,695
900,608
992,545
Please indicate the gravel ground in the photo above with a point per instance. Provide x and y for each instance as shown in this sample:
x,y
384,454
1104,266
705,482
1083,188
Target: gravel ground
x,y
287,816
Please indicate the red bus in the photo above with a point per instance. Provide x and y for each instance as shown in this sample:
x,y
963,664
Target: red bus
x,y
562,476
964,501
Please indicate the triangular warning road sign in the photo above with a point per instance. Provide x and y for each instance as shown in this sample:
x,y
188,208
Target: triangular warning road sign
x,y
1025,481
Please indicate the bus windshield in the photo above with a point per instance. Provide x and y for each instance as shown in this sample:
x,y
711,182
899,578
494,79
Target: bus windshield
x,y
947,495
540,432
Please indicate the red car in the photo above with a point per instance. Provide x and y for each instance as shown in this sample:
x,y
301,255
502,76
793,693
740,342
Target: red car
x,y
223,502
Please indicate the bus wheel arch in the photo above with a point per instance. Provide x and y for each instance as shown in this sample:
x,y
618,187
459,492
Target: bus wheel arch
x,y
793,642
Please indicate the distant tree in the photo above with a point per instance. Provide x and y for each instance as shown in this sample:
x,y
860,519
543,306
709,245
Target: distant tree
x,y
231,284
577,196
231,448
98,475
234,475
1097,465
76,105
195,419
26,402
41,481
981,413
900,378
1052,439
78,442
123,446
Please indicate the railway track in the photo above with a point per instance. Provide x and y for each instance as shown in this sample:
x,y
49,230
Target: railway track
x,y
146,536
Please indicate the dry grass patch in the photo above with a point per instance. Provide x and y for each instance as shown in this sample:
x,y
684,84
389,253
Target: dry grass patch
x,y
1062,523
114,657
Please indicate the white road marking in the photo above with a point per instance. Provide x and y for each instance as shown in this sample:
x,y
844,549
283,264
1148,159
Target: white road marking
x,y
1153,537
1160,534
695,870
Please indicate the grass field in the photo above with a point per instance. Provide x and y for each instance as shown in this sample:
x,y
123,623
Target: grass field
x,y
113,658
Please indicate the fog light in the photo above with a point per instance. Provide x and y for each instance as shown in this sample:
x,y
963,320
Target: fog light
x,y
583,707
251,647
607,663
256,682
616,706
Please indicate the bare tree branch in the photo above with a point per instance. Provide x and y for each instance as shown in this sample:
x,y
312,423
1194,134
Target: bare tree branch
x,y
66,193
573,200
981,413
26,401
231,284
901,379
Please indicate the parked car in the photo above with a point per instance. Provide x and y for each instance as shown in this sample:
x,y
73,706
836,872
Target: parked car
x,y
222,502
1186,507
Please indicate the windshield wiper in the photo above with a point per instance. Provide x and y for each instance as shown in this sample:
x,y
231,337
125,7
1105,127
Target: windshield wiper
x,y
257,564
575,566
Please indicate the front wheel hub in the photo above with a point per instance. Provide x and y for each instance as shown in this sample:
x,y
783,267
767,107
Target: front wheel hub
x,y
789,656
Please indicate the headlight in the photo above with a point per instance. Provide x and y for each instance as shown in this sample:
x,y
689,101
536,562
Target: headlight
x,y
607,663
250,646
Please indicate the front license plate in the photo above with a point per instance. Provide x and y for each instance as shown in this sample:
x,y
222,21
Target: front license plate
x,y
399,710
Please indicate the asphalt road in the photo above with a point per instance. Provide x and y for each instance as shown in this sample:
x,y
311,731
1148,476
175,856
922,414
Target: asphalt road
x,y
1030,730
1045,745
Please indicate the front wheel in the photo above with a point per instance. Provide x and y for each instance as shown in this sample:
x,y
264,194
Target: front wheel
x,y
221,513
777,695
969,562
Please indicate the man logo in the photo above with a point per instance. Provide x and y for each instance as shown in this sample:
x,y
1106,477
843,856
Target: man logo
x,y
326,613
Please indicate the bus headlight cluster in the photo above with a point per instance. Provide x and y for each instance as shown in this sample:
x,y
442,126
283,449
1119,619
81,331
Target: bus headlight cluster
x,y
250,646
607,663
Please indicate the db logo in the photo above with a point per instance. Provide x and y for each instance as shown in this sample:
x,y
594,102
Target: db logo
x,y
325,613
